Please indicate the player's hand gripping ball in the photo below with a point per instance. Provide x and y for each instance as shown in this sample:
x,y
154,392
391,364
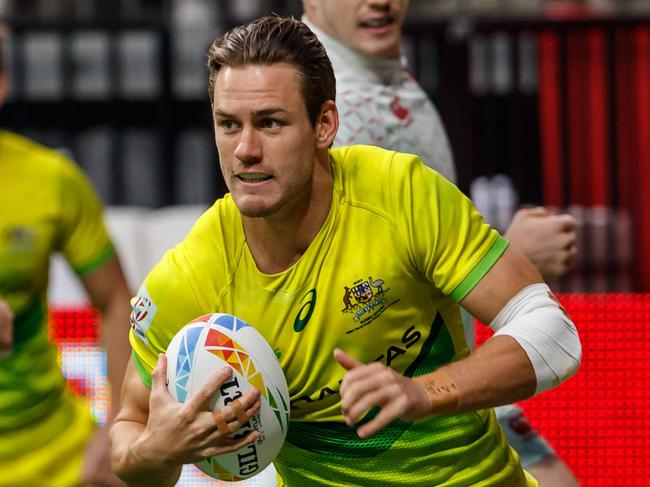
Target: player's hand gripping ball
x,y
211,342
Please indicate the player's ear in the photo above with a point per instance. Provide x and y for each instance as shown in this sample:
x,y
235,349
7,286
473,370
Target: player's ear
x,y
327,124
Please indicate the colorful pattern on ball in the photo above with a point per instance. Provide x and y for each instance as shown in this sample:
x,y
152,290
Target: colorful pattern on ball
x,y
185,359
233,354
230,352
230,322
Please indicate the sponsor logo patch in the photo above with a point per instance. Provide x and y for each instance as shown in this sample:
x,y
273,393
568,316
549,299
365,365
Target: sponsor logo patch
x,y
142,314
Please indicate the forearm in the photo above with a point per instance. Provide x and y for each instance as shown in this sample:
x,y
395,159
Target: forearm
x,y
535,348
499,372
115,332
130,459
109,293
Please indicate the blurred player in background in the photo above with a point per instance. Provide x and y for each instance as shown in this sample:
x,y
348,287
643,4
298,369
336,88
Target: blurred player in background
x,y
381,104
356,252
47,435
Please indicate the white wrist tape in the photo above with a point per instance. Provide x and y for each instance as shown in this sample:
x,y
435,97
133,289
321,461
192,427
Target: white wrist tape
x,y
544,331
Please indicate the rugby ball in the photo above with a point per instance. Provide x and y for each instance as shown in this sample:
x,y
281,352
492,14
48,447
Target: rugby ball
x,y
209,343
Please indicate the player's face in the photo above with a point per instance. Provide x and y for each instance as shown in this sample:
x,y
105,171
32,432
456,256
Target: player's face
x,y
266,143
373,27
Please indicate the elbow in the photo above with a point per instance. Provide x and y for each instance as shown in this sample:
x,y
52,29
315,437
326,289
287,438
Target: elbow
x,y
551,341
119,453
573,355
561,355
546,333
117,458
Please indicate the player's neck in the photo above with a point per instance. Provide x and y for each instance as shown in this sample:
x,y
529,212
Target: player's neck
x,y
278,242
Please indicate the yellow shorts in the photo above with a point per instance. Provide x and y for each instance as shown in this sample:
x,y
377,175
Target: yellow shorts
x,y
49,453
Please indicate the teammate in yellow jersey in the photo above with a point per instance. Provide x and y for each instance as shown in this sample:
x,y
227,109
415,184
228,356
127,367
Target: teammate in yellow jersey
x,y
47,436
352,263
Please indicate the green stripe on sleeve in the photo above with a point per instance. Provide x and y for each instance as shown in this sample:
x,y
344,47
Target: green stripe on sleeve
x,y
142,372
101,259
484,265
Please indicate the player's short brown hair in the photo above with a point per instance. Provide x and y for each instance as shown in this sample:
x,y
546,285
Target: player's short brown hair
x,y
274,40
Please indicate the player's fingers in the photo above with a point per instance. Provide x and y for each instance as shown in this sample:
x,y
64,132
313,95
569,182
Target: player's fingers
x,y
568,240
234,429
347,362
387,414
566,222
244,408
200,400
239,411
236,414
364,375
221,421
229,417
353,390
376,397
537,211
562,243
220,446
570,257
159,376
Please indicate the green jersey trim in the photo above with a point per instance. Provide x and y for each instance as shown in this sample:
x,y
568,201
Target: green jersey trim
x,y
107,252
142,372
28,323
338,439
485,264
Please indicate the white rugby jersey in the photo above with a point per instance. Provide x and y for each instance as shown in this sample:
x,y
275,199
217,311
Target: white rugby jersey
x,y
381,104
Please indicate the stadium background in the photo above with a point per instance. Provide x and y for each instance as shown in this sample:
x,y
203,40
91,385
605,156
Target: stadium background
x,y
545,102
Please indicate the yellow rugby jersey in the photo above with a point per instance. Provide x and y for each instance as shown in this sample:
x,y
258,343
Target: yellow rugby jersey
x,y
47,205
401,246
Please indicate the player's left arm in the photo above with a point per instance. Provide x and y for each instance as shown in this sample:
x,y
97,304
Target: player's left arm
x,y
108,291
535,348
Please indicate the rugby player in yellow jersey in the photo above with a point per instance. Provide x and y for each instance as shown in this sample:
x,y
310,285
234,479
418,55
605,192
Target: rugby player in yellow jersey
x,y
385,106
47,436
352,263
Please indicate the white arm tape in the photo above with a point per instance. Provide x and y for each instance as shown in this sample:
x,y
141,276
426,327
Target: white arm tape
x,y
544,331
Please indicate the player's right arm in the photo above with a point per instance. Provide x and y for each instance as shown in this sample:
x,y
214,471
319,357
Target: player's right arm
x,y
153,435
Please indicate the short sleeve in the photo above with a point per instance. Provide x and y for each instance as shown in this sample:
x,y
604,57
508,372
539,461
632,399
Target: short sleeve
x,y
447,239
165,302
84,239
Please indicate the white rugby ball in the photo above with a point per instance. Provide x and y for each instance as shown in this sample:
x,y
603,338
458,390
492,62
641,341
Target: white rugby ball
x,y
207,344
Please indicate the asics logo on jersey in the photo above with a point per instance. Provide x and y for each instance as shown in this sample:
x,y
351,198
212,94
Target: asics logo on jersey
x,y
305,311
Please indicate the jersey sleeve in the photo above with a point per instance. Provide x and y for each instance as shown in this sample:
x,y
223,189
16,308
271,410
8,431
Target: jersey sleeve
x,y
188,282
447,239
165,302
84,240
